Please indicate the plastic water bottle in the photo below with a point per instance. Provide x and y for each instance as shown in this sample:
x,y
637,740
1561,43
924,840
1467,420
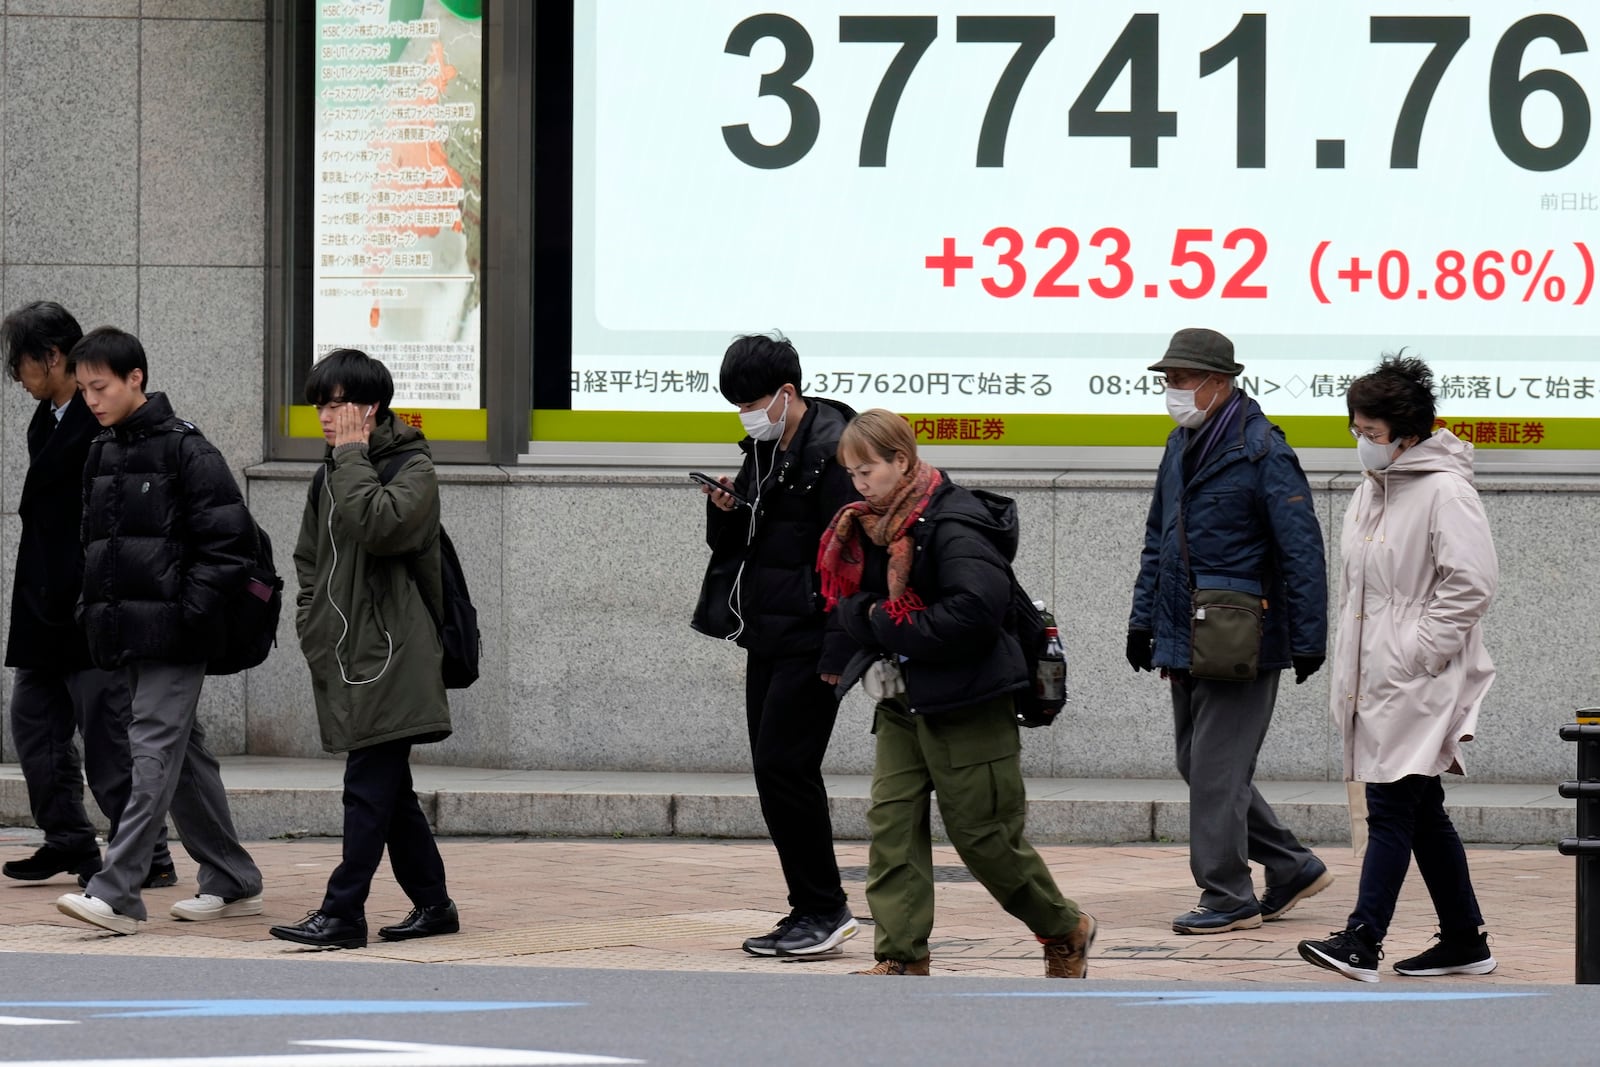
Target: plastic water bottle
x,y
1050,679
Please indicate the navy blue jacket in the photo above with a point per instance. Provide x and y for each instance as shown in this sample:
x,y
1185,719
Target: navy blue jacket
x,y
1251,526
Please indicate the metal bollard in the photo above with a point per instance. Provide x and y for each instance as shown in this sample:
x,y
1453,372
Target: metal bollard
x,y
1586,846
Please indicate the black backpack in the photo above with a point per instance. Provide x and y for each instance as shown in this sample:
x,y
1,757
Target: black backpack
x,y
458,626
1028,625
250,612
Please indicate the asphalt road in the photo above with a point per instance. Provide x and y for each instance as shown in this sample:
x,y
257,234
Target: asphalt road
x,y
322,1011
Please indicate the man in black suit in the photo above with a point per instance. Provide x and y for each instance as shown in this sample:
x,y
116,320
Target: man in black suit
x,y
56,688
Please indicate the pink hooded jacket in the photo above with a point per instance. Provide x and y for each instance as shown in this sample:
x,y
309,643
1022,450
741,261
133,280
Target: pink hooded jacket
x,y
1418,573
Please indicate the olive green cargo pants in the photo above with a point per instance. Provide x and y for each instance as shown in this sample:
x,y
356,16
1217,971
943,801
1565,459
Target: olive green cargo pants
x,y
971,759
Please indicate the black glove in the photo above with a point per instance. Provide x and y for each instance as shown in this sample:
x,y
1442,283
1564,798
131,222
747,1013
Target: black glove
x,y
1306,666
1141,650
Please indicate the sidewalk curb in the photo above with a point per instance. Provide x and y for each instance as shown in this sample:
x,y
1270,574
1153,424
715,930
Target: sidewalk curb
x,y
478,802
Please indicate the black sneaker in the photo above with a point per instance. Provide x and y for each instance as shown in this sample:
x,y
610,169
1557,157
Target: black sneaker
x,y
50,861
160,877
815,934
1456,955
1351,952
767,943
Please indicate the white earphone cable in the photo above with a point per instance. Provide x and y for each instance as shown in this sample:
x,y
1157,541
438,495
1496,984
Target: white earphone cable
x,y
343,618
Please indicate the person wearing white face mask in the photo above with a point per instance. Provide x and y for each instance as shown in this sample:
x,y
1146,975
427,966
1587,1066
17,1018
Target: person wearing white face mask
x,y
1409,667
762,592
1231,534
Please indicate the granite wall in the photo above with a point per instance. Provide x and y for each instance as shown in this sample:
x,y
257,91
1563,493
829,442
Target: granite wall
x,y
132,162
585,582
132,149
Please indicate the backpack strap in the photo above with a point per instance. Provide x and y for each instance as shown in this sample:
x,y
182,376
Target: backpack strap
x,y
386,475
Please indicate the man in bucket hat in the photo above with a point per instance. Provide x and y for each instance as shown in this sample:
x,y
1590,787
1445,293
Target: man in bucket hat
x,y
1231,527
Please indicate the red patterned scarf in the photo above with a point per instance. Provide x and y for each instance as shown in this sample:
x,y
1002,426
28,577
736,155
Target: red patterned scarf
x,y
840,557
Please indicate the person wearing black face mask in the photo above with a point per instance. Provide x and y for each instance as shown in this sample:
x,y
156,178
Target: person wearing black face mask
x,y
762,592
1231,533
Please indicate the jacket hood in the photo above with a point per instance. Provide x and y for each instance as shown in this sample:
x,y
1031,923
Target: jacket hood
x,y
1443,452
993,515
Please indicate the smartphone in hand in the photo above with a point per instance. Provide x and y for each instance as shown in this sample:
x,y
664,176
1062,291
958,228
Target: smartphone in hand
x,y
706,479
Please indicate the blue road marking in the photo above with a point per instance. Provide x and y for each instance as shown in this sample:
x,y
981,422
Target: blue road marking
x,y
1181,997
229,1009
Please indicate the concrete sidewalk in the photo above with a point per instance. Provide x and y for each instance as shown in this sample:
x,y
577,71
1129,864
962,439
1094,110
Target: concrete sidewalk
x,y
678,904
535,887
275,797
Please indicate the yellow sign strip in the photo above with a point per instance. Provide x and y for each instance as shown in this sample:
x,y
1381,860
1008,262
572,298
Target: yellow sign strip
x,y
1303,431
437,424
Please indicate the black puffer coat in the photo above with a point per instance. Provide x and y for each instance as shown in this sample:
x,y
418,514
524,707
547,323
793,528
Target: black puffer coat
x,y
779,595
166,535
958,650
44,634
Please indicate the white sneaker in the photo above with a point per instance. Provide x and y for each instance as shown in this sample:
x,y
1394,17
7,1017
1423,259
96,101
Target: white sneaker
x,y
95,912
206,907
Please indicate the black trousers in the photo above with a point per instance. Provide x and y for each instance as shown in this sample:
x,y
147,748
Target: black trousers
x,y
46,707
790,712
1405,819
381,809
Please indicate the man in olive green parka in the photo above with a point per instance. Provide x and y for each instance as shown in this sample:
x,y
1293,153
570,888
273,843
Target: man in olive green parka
x,y
367,556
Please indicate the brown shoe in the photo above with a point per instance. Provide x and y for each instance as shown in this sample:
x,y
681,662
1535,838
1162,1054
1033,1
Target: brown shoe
x,y
1068,957
915,967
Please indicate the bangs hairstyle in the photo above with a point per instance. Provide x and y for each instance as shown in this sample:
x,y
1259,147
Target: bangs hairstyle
x,y
354,375
758,365
1400,393
30,332
877,433
116,350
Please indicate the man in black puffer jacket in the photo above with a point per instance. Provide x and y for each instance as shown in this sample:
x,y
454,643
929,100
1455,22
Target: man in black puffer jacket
x,y
761,591
166,536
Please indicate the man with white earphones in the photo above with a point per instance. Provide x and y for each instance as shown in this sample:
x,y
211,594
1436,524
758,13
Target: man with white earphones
x,y
368,565
762,593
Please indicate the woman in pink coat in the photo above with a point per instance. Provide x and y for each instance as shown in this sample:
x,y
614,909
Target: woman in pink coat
x,y
1409,666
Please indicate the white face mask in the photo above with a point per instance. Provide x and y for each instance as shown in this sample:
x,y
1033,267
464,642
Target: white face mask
x,y
1181,406
759,425
1375,457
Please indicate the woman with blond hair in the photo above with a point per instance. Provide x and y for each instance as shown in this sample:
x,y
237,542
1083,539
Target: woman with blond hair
x,y
918,574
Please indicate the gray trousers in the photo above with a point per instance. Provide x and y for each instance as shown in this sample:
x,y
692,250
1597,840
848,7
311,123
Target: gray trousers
x,y
172,771
1219,728
46,708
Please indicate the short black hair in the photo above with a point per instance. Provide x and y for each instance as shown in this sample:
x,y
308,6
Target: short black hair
x,y
359,378
31,331
758,365
1400,392
117,350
